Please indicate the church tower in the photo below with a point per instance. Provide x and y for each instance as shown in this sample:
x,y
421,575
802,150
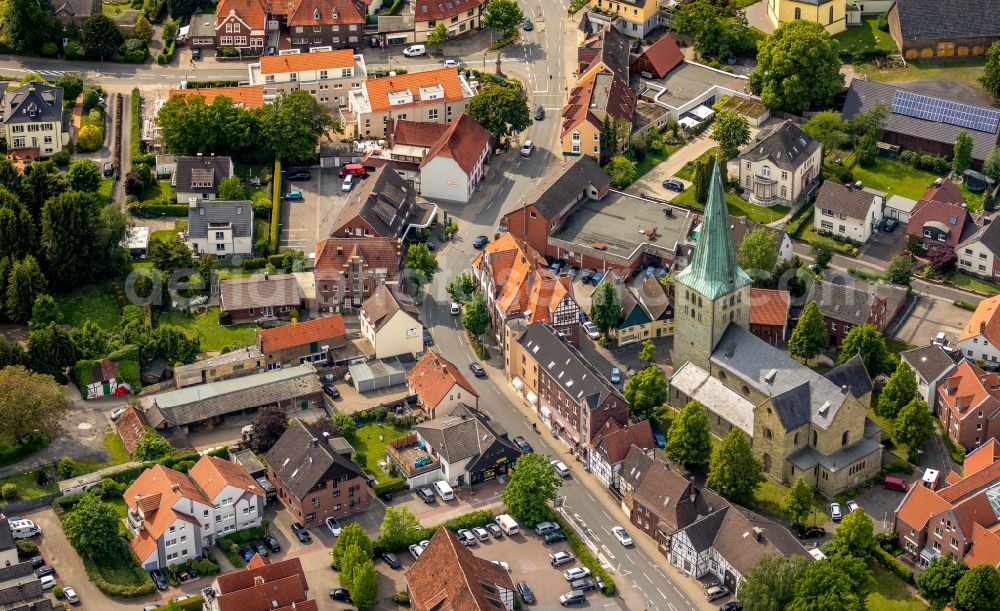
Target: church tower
x,y
712,291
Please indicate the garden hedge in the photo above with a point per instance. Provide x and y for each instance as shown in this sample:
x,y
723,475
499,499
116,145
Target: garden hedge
x,y
118,590
480,517
135,129
275,208
895,566
149,211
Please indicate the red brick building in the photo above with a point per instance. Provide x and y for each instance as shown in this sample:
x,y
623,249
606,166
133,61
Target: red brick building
x,y
845,307
240,24
349,270
312,479
769,314
969,405
326,23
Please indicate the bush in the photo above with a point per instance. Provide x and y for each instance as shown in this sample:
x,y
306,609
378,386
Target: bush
x,y
148,211
472,519
394,485
50,49
895,566
26,549
90,138
57,592
74,50
61,158
883,22
135,128
253,263
228,52
8,491
275,208
965,305
899,467
167,54
401,598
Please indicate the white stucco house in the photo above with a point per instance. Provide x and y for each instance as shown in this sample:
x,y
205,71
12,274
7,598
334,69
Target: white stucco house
x,y
931,364
173,516
391,324
780,164
846,212
439,385
455,164
980,339
220,228
980,253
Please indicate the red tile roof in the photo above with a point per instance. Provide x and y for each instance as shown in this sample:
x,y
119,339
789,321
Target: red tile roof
x,y
969,389
265,587
426,10
332,254
974,510
416,133
251,12
247,96
301,334
465,141
663,56
315,60
982,457
985,548
920,504
212,475
985,321
614,441
378,89
155,492
448,576
769,307
940,205
309,13
980,480
131,426
434,376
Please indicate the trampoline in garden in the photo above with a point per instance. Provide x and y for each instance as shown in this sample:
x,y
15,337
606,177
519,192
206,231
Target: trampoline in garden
x,y
976,181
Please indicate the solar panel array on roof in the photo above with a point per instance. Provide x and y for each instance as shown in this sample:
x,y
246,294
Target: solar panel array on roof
x,y
945,111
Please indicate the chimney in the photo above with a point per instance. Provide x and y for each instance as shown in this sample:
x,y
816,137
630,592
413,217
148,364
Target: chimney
x,y
340,250
314,443
758,534
174,486
982,327
844,389
258,580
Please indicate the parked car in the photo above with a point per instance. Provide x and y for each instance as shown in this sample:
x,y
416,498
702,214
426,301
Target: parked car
x,y
622,535
810,532
466,537
527,147
523,445
196,54
480,242
71,596
732,605
415,51
501,564
586,275
481,534
416,550
890,225
299,175
331,391
341,594
572,598
426,494
356,169
348,183
835,513
560,558
661,440
428,340
477,370
109,168
577,572
450,63
527,25
852,506
716,592
495,530
545,527
561,468
672,184
526,594
158,579
592,331
895,483
616,375
301,533
391,559
115,415
584,585
48,582
246,553
259,547
333,525
37,561
455,308
539,112
294,195
554,537
272,543
45,569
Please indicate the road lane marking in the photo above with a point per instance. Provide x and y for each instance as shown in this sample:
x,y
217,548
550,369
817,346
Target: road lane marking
x,y
630,559
647,578
661,593
672,607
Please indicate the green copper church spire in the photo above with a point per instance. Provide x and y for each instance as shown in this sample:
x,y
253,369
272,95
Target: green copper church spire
x,y
713,271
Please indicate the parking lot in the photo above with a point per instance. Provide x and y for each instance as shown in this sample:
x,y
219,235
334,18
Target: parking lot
x,y
309,220
927,318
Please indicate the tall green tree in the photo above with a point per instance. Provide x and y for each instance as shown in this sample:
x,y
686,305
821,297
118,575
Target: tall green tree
x,y
533,485
70,228
268,427
364,586
899,390
398,526
798,502
734,472
29,402
292,125
717,30
914,424
991,167
231,188
622,170
92,529
732,131
870,122
352,534
689,440
44,312
40,185
991,71
829,127
51,350
152,446
866,341
351,562
501,110
839,582
143,29
758,253
798,68
702,178
191,126
92,341
25,25
462,288
978,589
646,391
822,251
476,318
855,536
422,262
648,352
83,175
100,37
938,581
17,227
438,36
605,310
809,336
503,15
71,83
24,284
770,583
900,270
962,154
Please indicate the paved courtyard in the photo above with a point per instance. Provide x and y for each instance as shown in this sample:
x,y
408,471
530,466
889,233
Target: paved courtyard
x,y
927,318
305,222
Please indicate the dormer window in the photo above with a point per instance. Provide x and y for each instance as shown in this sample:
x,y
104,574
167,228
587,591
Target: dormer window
x,y
316,14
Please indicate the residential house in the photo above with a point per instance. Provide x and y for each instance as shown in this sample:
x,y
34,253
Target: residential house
x,y
575,399
453,168
314,481
263,586
647,310
846,212
232,364
924,123
407,143
201,32
940,218
658,59
462,446
968,405
244,96
742,227
802,424
447,575
592,103
604,52
260,297
174,516
349,270
459,17
20,588
74,12
391,323
382,206
303,342
831,14
221,229
515,284
845,306
558,195
8,548
980,254
31,120
635,18
980,339
327,75
957,519
131,428
931,364
197,178
326,23
769,314
292,387
241,25
780,165
923,29
437,95
613,444
439,385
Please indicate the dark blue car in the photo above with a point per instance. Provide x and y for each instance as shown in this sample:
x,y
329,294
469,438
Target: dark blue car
x,y
661,441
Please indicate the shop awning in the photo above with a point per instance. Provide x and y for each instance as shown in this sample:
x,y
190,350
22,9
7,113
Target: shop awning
x,y
518,384
545,412
532,398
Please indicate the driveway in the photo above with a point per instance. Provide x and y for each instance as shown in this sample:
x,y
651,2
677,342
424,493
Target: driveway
x,y
882,246
305,222
652,181
927,318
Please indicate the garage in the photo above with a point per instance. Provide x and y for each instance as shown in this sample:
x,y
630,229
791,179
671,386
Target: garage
x,y
376,375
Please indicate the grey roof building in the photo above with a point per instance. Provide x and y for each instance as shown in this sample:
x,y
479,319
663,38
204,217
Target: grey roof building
x,y
563,190
931,364
199,176
916,25
237,215
786,146
381,206
469,445
302,458
839,199
20,589
32,103
260,291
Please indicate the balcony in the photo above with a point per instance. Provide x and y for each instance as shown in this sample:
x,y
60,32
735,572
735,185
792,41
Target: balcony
x,y
411,456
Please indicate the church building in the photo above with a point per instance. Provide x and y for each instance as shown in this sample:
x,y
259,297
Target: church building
x,y
803,424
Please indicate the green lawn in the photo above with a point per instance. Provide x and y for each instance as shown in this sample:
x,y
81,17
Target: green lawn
x,y
85,118
895,177
113,443
165,234
767,499
368,442
259,196
160,189
26,486
105,189
737,207
890,593
972,283
865,36
206,326
115,10
687,172
651,160
95,302
964,70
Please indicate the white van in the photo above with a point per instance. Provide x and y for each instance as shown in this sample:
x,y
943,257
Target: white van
x,y
507,524
415,51
24,529
444,490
